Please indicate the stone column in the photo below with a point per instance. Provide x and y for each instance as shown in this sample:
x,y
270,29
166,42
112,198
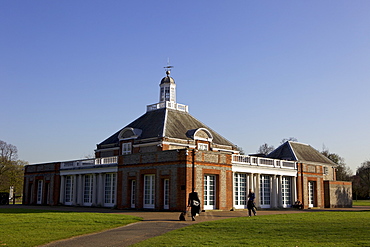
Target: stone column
x,y
257,189
279,194
251,182
273,191
294,190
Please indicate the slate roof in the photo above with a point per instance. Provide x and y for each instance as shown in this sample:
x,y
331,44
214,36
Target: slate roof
x,y
166,123
300,152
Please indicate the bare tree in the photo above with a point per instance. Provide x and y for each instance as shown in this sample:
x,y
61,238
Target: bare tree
x,y
265,149
292,139
343,173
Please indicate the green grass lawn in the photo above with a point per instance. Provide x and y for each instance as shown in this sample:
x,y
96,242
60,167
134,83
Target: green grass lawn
x,y
361,202
304,229
26,227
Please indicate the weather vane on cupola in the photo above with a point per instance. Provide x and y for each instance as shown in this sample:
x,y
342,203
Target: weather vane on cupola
x,y
168,67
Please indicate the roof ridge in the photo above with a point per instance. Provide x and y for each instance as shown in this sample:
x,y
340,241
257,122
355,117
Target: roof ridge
x,y
292,150
165,123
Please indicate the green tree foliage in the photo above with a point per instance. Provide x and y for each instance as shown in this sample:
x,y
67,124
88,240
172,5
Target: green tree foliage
x,y
361,181
343,172
11,169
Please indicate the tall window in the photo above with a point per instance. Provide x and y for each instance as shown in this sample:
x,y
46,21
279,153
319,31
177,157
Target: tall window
x,y
133,193
39,191
311,193
265,190
166,193
240,189
149,189
88,189
286,191
68,190
126,148
209,192
326,170
110,189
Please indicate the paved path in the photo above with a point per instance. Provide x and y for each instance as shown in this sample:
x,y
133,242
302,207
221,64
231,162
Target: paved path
x,y
153,224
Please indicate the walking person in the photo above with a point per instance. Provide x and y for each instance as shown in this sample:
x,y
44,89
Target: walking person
x,y
194,204
250,205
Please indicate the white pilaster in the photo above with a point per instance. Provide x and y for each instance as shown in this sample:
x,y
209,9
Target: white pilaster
x,y
257,189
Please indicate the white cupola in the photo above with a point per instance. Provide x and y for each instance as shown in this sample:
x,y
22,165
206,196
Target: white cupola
x,y
167,95
167,90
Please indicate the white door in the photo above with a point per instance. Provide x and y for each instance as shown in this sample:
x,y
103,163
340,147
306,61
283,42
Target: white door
x,y
88,190
110,190
209,192
311,189
240,190
149,191
265,199
68,191
286,191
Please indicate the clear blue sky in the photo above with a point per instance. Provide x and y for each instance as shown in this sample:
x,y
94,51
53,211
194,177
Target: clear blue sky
x,y
74,72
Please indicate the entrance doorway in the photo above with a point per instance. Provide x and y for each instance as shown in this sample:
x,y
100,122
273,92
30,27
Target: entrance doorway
x,y
311,194
209,192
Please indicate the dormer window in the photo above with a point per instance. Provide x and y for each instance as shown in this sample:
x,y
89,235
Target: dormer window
x,y
126,148
203,146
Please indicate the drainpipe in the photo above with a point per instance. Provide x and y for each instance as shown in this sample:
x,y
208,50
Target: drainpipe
x,y
193,172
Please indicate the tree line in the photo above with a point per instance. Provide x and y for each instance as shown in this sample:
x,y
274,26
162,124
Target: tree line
x,y
12,169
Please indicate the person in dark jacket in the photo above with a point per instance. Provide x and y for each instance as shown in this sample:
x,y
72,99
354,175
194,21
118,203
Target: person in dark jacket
x,y
194,204
250,205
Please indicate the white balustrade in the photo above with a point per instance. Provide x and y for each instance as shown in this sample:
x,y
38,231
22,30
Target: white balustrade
x,y
259,161
89,162
167,104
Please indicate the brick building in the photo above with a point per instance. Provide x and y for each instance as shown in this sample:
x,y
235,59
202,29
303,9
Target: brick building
x,y
155,161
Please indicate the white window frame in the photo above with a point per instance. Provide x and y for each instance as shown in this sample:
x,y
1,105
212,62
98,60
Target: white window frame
x,y
286,191
88,189
126,148
149,191
265,191
110,189
326,170
203,146
210,192
311,193
240,190
68,190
